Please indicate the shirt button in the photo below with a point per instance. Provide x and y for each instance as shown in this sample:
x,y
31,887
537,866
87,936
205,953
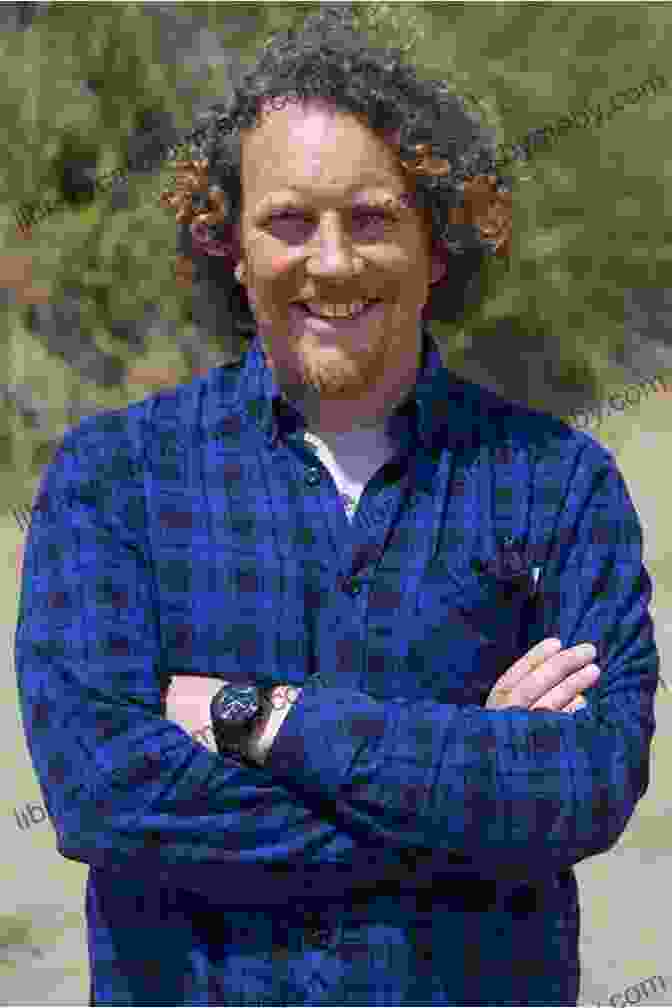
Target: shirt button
x,y
320,937
313,476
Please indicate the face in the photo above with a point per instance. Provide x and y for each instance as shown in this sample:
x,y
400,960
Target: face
x,y
323,224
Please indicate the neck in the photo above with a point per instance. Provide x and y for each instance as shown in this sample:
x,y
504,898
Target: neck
x,y
330,416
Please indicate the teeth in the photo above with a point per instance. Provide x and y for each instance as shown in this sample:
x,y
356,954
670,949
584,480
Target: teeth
x,y
337,311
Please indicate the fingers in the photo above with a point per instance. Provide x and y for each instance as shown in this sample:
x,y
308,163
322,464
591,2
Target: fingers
x,y
559,678
535,657
547,676
576,704
280,697
568,690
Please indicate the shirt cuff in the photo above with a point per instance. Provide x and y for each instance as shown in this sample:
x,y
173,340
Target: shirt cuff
x,y
261,742
287,749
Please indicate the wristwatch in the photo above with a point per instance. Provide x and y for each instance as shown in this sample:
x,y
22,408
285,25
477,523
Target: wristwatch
x,y
233,712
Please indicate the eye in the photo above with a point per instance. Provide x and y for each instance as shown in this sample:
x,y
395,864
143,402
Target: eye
x,y
285,215
289,225
373,220
296,225
379,213
372,212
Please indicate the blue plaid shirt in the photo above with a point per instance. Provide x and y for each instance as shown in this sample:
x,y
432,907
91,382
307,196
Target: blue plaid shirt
x,y
402,844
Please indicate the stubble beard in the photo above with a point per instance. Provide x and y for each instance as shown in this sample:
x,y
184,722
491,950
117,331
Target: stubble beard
x,y
315,372
337,372
311,375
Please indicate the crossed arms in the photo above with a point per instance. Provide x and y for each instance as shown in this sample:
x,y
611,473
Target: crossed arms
x,y
126,789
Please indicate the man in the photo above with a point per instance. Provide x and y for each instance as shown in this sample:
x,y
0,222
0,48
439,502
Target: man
x,y
403,829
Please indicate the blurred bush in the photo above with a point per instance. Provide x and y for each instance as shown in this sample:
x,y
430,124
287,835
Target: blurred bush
x,y
89,90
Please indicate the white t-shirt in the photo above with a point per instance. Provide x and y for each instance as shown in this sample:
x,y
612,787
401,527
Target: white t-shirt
x,y
352,458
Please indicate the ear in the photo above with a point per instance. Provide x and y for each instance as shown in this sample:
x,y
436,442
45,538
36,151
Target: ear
x,y
439,268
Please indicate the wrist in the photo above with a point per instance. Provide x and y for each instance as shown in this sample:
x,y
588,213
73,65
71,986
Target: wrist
x,y
277,703
233,711
246,719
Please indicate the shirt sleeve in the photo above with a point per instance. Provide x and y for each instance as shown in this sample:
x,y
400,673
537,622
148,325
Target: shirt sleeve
x,y
126,789
513,790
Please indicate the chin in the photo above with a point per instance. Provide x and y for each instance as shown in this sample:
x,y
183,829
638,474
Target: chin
x,y
338,373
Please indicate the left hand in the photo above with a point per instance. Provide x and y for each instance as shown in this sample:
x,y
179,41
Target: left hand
x,y
188,704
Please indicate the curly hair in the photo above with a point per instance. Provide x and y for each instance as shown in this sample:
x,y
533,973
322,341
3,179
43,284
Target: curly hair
x,y
329,59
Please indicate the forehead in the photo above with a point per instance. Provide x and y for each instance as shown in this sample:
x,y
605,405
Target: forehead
x,y
317,148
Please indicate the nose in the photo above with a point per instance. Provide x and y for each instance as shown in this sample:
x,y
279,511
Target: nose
x,y
334,256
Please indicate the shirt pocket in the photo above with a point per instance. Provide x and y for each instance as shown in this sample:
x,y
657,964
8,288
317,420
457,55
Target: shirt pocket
x,y
468,629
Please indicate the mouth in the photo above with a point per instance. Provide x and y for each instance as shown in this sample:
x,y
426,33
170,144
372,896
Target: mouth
x,y
306,312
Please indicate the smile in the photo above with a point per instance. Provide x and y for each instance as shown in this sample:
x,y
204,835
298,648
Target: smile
x,y
338,311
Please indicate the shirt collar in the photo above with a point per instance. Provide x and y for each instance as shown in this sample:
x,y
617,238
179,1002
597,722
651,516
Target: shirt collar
x,y
276,416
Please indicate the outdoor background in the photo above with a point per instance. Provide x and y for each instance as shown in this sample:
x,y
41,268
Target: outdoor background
x,y
90,301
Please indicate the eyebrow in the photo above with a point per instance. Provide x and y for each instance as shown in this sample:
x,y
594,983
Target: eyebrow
x,y
362,196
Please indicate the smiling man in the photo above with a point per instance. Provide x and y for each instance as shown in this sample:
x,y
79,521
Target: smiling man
x,y
327,236
337,269
385,587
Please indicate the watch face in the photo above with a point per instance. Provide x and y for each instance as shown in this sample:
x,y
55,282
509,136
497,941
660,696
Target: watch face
x,y
236,703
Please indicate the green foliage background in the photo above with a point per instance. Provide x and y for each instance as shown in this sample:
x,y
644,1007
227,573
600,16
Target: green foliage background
x,y
591,219
591,212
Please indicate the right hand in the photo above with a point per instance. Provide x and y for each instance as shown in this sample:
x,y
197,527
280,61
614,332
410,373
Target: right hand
x,y
547,678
